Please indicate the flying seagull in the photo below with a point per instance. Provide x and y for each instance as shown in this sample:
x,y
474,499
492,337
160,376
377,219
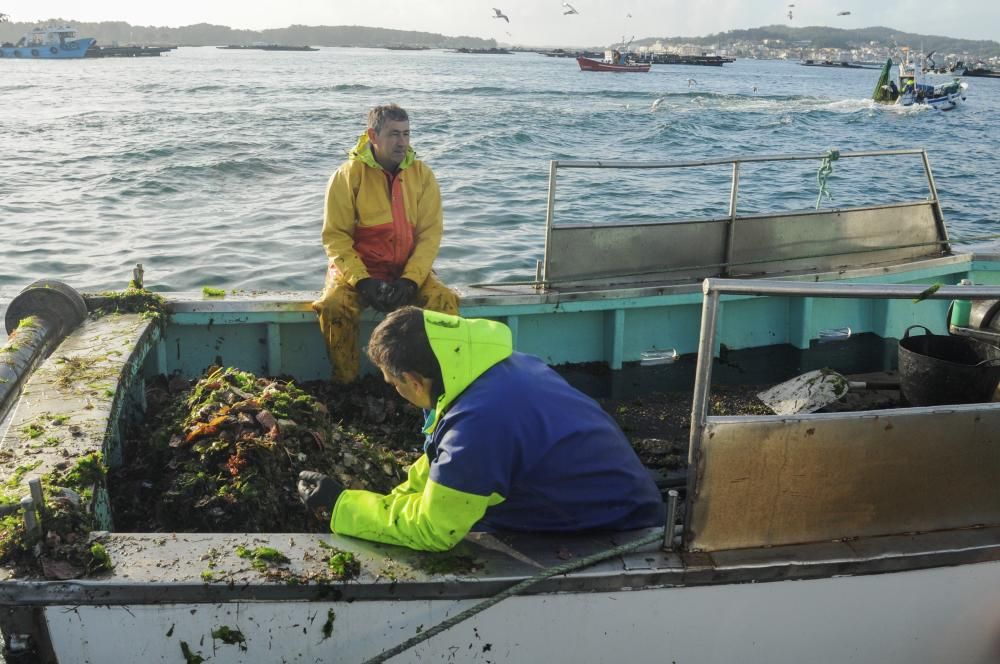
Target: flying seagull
x,y
570,9
4,18
843,13
499,14
691,82
791,5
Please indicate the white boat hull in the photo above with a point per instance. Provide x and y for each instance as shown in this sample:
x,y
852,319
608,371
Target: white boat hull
x,y
945,102
944,614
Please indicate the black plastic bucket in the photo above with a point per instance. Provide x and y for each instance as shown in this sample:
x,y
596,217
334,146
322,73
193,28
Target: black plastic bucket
x,y
936,369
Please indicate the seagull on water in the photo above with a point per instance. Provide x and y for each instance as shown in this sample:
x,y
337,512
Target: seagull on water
x,y
570,9
656,104
499,14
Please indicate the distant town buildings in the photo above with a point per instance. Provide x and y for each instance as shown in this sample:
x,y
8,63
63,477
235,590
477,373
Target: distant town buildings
x,y
777,49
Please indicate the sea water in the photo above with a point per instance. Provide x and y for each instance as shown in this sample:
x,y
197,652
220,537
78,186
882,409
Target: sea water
x,y
209,166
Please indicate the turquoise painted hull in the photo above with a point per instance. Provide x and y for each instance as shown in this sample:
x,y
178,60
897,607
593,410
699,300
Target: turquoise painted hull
x,y
69,51
278,334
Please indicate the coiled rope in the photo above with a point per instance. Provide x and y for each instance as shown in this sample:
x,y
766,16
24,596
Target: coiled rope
x,y
825,169
657,536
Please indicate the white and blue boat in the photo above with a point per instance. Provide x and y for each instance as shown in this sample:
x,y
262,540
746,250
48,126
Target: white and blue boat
x,y
48,44
868,535
916,87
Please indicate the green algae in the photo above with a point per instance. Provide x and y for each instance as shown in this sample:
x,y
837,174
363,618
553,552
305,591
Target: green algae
x,y
100,560
262,557
328,625
230,636
208,291
86,472
344,565
191,657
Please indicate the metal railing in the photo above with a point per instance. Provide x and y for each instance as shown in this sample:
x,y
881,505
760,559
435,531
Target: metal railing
x,y
543,278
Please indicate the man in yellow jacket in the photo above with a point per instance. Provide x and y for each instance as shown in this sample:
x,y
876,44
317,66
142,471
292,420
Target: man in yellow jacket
x,y
381,230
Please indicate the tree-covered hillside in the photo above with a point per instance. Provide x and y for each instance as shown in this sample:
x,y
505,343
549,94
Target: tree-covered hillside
x,y
204,34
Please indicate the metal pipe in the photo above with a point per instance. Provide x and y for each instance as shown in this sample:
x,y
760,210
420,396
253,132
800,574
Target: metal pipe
x,y
668,528
981,335
938,213
728,160
731,226
35,486
30,520
25,347
702,384
549,219
37,320
835,290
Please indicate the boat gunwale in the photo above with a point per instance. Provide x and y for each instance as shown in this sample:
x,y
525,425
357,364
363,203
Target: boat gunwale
x,y
473,296
799,562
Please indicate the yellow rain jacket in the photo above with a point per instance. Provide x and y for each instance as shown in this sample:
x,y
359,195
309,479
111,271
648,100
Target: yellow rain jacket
x,y
379,225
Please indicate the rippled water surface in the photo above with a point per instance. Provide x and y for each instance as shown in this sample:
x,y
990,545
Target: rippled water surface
x,y
209,166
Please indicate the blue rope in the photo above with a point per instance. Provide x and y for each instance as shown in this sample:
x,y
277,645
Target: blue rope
x,y
656,536
825,169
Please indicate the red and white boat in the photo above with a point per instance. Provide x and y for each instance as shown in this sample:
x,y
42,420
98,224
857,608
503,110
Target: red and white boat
x,y
613,61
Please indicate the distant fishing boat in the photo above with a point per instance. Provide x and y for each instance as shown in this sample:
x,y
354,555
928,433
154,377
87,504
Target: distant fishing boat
x,y
614,60
914,88
47,44
977,70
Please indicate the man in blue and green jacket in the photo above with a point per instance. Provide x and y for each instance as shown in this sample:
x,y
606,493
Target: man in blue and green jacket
x,y
510,445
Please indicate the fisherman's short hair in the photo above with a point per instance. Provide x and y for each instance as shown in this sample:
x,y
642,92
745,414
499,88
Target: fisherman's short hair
x,y
378,116
399,344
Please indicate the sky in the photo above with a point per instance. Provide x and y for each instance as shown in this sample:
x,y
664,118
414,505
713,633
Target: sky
x,y
537,22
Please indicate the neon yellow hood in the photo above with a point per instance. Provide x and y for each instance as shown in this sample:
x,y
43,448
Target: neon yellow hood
x,y
363,152
465,349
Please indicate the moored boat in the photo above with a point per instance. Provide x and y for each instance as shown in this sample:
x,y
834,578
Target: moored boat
x,y
266,47
615,61
48,43
798,538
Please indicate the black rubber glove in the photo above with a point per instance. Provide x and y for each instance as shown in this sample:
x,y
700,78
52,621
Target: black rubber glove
x,y
318,491
401,293
375,292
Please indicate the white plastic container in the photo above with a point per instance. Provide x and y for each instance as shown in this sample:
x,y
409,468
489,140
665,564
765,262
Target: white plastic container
x,y
655,356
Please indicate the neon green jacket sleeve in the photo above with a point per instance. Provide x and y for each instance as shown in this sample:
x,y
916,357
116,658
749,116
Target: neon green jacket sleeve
x,y
419,513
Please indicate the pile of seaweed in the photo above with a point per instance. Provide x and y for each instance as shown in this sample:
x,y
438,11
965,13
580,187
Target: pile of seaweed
x,y
64,546
224,454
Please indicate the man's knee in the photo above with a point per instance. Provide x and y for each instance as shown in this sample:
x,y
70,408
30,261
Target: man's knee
x,y
437,297
338,303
